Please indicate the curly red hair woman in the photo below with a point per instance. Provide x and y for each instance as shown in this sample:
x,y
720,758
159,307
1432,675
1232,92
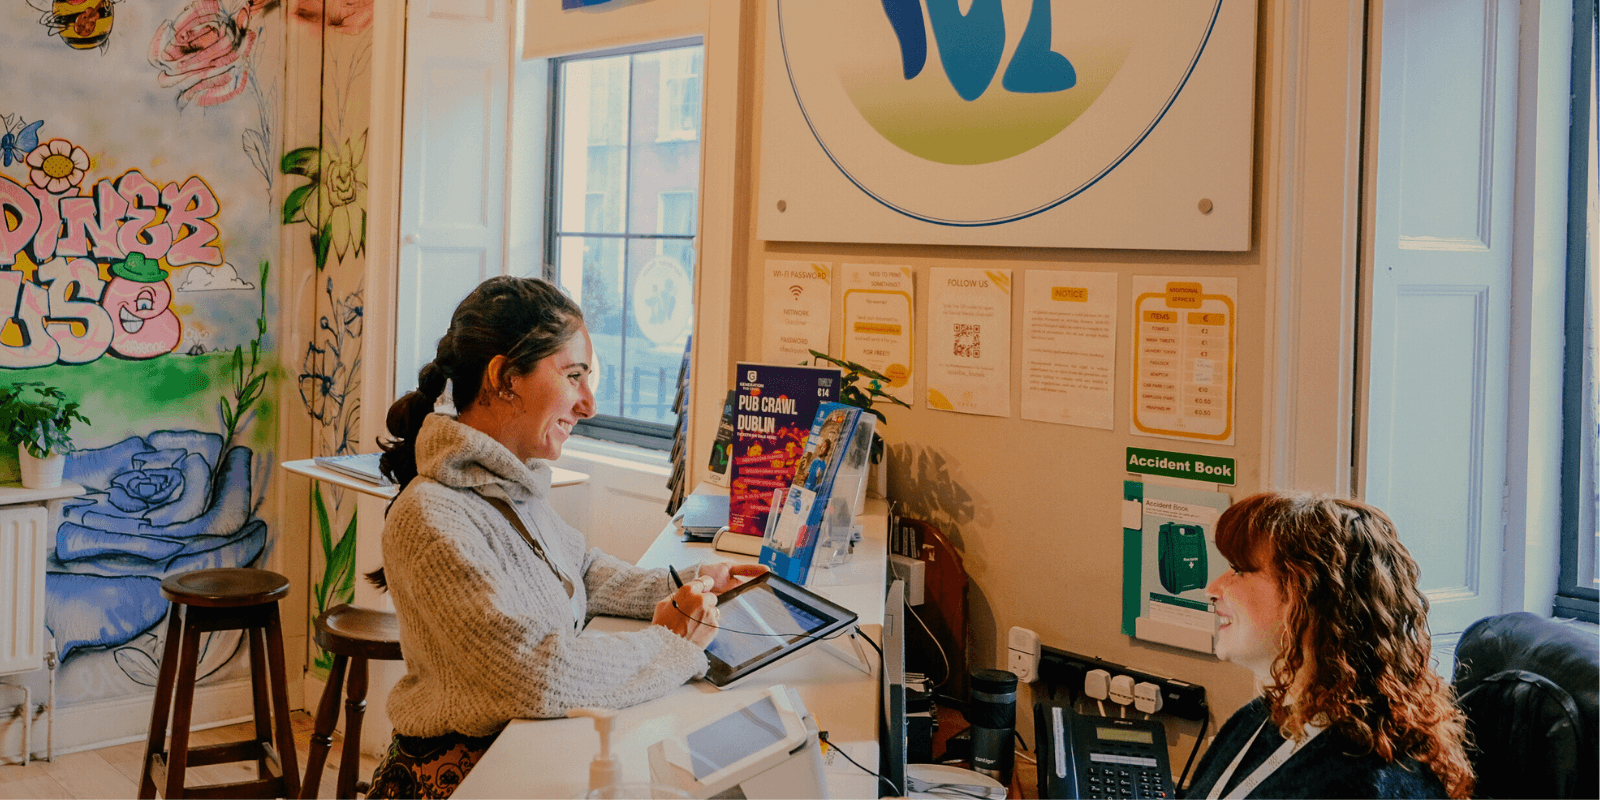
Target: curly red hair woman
x,y
1321,602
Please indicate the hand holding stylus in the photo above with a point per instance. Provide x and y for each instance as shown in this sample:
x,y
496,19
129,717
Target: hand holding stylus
x,y
691,611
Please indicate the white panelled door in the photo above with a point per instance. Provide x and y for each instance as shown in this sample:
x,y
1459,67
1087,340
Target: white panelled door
x,y
1435,450
452,207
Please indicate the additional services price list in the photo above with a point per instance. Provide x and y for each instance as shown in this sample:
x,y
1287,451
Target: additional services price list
x,y
1183,358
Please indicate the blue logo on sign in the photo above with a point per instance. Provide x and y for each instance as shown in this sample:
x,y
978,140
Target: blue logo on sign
x,y
971,44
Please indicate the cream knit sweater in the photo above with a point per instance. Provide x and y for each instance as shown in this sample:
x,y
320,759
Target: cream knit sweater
x,y
488,632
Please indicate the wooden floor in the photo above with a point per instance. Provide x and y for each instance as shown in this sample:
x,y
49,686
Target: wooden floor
x,y
113,772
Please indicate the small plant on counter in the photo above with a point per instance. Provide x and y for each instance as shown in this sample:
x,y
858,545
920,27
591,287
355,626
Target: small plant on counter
x,y
863,398
39,418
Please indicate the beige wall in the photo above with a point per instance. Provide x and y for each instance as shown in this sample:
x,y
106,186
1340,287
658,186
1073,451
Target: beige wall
x,y
1035,507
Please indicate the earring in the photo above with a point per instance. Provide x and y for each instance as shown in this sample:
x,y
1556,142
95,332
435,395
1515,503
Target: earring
x,y
507,395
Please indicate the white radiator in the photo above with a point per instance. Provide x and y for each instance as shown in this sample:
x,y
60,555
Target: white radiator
x,y
24,544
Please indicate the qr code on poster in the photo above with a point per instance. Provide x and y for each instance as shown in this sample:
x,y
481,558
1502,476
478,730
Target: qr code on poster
x,y
969,341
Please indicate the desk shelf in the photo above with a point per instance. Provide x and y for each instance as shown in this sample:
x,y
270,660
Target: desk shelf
x,y
309,468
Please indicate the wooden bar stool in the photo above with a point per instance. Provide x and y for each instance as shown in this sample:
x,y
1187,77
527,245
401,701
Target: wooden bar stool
x,y
222,600
354,636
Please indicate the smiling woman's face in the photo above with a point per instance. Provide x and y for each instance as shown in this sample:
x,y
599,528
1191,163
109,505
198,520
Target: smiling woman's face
x,y
550,400
1250,617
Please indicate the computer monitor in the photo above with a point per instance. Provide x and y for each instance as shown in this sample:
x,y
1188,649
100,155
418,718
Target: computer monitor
x,y
892,732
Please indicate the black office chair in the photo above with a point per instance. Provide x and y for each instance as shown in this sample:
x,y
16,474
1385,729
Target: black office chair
x,y
1528,686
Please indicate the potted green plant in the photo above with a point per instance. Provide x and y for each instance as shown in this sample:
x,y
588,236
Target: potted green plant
x,y
862,397
39,419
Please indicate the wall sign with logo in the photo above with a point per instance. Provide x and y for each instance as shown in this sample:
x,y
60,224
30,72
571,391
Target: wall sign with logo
x,y
1046,123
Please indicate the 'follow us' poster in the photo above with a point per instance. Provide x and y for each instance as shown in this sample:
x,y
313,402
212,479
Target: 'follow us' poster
x,y
969,341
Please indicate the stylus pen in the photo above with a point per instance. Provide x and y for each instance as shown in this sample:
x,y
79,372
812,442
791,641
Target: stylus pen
x,y
676,581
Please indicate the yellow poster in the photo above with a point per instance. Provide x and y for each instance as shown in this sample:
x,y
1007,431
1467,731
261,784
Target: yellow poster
x,y
878,303
1183,358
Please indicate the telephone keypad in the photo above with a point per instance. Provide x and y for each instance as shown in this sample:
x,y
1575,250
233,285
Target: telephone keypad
x,y
1108,779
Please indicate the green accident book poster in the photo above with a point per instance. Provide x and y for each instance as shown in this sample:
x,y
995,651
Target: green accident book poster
x,y
1169,556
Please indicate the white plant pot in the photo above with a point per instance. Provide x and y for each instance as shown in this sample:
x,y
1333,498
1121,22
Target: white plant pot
x,y
40,473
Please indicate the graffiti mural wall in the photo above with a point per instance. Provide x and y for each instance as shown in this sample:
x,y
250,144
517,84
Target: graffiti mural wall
x,y
137,273
325,167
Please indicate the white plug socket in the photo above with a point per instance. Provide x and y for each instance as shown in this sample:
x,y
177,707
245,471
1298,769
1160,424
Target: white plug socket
x,y
1147,697
912,571
1121,689
1023,655
1096,684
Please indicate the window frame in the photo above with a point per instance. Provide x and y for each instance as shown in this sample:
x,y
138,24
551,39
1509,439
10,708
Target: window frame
x,y
606,427
1573,598
664,132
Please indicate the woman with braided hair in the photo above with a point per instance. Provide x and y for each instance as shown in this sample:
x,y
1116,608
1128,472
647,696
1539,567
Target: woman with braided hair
x,y
491,587
1321,603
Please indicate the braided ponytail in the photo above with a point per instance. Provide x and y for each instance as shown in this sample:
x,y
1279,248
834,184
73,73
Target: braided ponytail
x,y
523,319
399,460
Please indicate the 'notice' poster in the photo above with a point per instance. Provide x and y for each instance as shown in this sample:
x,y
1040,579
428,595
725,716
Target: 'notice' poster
x,y
1069,340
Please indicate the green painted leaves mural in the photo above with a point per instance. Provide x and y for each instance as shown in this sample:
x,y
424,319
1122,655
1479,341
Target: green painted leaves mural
x,y
334,201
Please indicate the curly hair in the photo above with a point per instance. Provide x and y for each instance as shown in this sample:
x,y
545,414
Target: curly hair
x,y
1356,647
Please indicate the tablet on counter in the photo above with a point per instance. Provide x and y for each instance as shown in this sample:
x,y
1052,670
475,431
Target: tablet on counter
x,y
765,620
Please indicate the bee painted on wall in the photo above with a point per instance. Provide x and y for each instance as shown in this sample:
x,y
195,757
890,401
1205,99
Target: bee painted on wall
x,y
82,24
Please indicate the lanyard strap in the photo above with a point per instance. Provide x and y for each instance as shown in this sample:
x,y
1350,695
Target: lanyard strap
x,y
516,522
1267,767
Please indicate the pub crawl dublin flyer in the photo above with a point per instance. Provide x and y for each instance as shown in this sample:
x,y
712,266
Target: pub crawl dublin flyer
x,y
774,406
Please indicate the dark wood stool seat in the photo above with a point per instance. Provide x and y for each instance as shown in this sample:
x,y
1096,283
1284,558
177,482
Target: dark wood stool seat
x,y
354,636
212,600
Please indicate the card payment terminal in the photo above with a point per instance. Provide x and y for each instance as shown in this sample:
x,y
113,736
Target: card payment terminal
x,y
768,749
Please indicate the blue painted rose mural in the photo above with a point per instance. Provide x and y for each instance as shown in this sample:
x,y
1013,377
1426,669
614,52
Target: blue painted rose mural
x,y
159,504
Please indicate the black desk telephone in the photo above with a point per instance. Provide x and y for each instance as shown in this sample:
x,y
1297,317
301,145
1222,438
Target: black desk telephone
x,y
1085,756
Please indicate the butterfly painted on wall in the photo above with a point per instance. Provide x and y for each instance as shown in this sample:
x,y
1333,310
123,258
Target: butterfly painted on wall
x,y
18,139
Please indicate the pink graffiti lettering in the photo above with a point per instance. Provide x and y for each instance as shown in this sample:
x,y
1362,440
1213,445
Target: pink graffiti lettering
x,y
27,303
74,291
189,207
87,218
141,233
118,219
44,247
16,203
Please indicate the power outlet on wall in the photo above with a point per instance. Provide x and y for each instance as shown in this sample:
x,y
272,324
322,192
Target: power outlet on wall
x,y
1067,670
1022,654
